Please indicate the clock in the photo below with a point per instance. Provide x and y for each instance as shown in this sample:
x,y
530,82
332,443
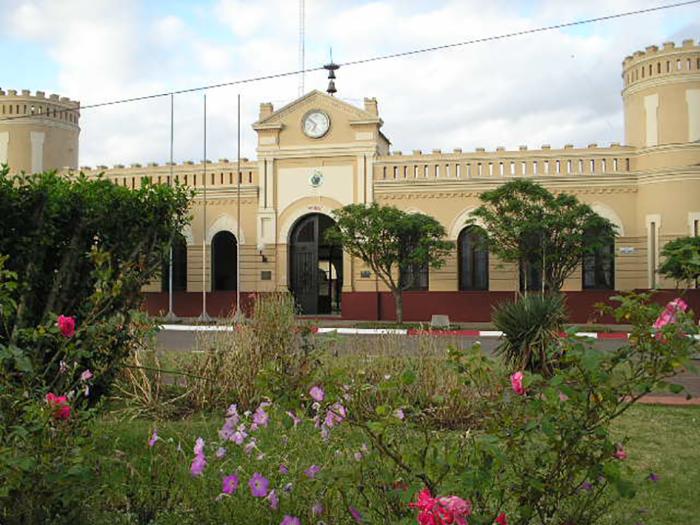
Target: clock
x,y
316,123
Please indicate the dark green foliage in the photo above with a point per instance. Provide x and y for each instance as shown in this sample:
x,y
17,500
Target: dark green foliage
x,y
530,327
526,222
391,241
84,248
682,260
50,224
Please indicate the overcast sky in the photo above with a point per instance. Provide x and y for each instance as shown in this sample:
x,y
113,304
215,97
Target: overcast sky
x,y
552,88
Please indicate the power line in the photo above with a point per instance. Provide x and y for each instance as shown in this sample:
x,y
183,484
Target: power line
x,y
379,57
518,33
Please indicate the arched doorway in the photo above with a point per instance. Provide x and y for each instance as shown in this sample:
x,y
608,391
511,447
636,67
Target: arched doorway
x,y
315,266
224,252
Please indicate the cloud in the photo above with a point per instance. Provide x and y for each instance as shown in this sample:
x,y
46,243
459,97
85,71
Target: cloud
x,y
556,87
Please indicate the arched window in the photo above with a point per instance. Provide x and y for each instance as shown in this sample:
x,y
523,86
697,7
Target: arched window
x,y
179,266
530,276
415,278
473,259
599,266
224,252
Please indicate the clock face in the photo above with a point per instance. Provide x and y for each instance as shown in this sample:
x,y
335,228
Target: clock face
x,y
316,124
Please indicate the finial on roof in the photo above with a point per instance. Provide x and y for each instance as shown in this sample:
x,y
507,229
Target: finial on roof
x,y
331,68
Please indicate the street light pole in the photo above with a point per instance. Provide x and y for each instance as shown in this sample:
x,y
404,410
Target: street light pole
x,y
171,314
204,316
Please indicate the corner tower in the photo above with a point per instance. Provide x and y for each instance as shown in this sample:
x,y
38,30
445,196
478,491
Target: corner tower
x,y
38,133
662,95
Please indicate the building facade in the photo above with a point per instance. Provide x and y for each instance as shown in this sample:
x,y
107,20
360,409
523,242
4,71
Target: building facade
x,y
319,153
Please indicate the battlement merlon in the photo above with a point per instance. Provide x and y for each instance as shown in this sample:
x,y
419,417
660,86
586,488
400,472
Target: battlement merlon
x,y
500,153
654,61
25,95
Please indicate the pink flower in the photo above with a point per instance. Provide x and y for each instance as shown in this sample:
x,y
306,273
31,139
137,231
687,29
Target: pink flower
x,y
295,419
86,375
260,417
250,446
358,456
66,325
220,452
312,471
317,393
670,312
227,430
457,505
258,485
284,469
516,381
229,485
239,435
620,453
154,438
442,510
317,509
501,519
398,414
336,414
199,447
59,404
669,315
274,500
290,520
355,514
198,464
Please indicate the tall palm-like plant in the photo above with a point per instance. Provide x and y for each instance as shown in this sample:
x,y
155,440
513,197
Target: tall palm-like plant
x,y
531,327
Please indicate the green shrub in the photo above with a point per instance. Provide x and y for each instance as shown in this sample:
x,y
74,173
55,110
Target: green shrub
x,y
530,329
77,253
682,260
267,355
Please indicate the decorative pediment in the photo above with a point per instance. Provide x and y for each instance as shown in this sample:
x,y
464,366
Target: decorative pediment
x,y
316,100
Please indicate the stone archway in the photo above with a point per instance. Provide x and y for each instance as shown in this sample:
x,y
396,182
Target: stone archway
x,y
315,266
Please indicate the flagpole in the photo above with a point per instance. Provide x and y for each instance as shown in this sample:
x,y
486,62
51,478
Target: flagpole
x,y
239,312
171,314
204,316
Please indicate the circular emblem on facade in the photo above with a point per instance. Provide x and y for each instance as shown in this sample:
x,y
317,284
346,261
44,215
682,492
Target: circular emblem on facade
x,y
316,179
316,123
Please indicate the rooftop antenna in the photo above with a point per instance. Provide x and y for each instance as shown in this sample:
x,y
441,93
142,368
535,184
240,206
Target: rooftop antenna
x,y
331,68
302,38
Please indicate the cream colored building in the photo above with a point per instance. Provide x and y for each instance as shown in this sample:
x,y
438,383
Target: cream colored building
x,y
319,153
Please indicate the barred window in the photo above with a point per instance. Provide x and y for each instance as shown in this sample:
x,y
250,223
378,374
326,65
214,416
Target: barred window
x,y
473,259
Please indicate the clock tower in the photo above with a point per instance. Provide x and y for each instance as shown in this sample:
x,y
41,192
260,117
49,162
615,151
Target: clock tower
x,y
315,155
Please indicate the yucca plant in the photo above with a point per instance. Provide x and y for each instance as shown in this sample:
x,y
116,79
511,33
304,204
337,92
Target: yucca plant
x,y
530,329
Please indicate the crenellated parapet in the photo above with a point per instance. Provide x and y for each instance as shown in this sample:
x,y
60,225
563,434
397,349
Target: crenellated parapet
x,y
661,97
220,175
458,164
23,106
654,64
38,132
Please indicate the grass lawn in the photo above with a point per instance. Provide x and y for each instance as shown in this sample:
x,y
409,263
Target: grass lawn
x,y
662,440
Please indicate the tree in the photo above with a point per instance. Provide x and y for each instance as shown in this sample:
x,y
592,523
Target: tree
x,y
525,223
682,261
82,248
392,242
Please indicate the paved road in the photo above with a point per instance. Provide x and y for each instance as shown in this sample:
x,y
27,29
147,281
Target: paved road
x,y
184,341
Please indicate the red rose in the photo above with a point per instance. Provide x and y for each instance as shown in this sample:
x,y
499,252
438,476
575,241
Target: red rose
x,y
66,325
